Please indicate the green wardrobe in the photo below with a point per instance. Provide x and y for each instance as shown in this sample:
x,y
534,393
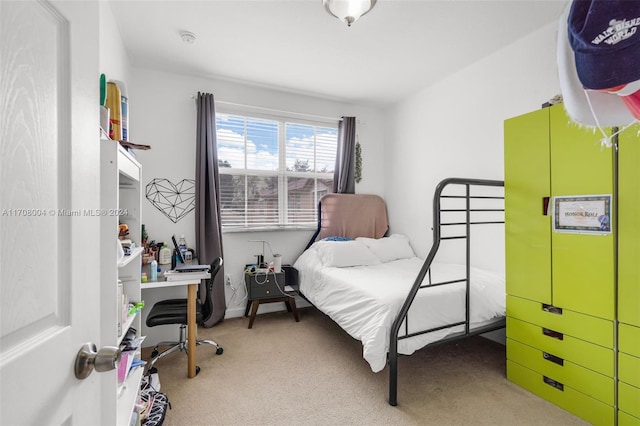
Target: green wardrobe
x,y
629,278
562,285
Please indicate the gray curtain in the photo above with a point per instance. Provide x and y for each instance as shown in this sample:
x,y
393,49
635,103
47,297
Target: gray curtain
x,y
344,172
208,222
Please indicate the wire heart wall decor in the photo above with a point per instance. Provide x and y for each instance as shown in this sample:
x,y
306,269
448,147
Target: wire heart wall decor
x,y
175,201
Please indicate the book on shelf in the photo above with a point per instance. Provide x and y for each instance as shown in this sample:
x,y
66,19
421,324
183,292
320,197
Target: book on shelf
x,y
184,277
180,276
129,361
126,359
130,357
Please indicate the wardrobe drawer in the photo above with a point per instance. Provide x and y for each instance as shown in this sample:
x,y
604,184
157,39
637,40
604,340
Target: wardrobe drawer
x,y
578,351
583,406
585,327
629,369
625,419
579,378
629,339
629,399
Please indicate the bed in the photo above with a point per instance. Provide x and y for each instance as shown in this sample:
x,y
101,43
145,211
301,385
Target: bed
x,y
377,289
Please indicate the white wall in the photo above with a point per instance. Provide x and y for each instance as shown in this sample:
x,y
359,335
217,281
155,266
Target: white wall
x,y
455,128
114,63
163,115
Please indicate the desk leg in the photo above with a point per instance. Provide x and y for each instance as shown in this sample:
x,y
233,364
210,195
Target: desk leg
x,y
191,331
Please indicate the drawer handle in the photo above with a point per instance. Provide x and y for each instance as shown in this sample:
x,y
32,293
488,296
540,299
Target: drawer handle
x,y
553,383
545,206
551,309
552,358
552,334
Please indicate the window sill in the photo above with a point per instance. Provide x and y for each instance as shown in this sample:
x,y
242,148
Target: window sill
x,y
239,229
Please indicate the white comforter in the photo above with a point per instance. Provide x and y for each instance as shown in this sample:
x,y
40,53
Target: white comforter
x,y
365,300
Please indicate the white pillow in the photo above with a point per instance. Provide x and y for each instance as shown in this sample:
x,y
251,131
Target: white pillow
x,y
342,254
389,248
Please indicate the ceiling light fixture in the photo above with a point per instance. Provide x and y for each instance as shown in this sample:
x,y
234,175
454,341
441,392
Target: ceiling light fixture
x,y
348,11
188,37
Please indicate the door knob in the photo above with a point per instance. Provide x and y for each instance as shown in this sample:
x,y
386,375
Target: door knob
x,y
89,358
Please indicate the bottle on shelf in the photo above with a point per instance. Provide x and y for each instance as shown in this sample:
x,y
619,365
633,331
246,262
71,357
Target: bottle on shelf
x,y
145,236
154,270
164,257
182,245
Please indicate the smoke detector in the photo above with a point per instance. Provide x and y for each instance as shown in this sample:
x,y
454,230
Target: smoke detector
x,y
188,37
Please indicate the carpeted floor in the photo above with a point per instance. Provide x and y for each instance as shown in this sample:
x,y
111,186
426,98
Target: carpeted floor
x,y
312,373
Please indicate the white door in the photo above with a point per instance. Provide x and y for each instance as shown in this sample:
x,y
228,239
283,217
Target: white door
x,y
49,250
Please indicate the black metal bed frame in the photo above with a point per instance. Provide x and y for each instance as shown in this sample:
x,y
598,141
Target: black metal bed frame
x,y
438,223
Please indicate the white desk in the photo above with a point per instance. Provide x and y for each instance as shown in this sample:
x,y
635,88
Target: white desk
x,y
191,284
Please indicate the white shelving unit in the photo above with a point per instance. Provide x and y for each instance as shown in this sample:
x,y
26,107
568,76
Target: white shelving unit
x,y
121,195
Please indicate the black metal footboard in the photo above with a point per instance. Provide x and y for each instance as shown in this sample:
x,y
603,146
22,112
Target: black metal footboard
x,y
461,218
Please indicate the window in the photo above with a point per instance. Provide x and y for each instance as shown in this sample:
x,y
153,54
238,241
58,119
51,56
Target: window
x,y
273,171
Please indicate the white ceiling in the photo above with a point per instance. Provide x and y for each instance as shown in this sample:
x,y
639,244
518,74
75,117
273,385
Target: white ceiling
x,y
398,48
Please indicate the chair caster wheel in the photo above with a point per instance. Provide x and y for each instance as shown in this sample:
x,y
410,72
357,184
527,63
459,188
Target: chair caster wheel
x,y
154,353
219,351
197,370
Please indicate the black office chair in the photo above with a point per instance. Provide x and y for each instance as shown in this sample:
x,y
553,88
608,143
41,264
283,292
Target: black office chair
x,y
174,311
